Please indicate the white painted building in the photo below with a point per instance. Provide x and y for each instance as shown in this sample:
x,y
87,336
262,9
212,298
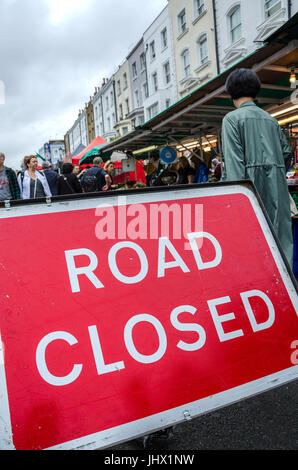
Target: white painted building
x,y
107,110
78,133
160,90
98,112
194,43
243,25
123,98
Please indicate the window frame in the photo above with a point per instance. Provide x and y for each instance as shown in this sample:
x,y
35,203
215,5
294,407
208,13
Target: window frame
x,y
137,99
267,9
185,67
152,50
164,35
182,27
233,28
125,81
143,61
197,8
167,73
203,38
155,81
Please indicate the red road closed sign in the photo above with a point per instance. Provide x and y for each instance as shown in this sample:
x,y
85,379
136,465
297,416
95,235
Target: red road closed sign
x,y
121,315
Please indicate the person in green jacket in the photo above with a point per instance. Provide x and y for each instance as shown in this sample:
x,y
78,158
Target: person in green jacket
x,y
255,148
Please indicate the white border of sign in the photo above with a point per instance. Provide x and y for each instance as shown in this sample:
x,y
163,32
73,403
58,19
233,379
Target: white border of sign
x,y
134,429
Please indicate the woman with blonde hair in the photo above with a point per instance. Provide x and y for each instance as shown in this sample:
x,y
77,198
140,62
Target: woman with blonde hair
x,y
109,169
32,182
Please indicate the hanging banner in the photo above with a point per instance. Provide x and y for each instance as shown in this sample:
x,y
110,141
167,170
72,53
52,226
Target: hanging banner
x,y
132,311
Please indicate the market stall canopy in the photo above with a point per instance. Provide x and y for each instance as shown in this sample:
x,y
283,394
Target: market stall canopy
x,y
96,142
200,113
94,152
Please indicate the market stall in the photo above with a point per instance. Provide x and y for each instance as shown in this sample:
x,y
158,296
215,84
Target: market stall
x,y
193,124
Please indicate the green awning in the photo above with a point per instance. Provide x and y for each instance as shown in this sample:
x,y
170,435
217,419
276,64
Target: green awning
x,y
95,152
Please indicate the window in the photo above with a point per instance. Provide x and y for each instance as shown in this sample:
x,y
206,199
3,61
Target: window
x,y
271,7
120,112
152,50
145,90
152,110
137,99
119,87
167,73
203,49
113,119
168,102
235,24
154,81
185,63
141,120
127,105
143,61
199,7
182,22
134,70
125,80
164,38
109,124
124,130
112,98
107,103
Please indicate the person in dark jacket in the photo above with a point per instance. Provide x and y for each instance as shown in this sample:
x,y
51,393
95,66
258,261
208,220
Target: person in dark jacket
x,y
9,187
52,177
95,177
185,172
68,183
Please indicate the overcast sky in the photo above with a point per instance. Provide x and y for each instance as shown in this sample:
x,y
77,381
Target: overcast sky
x,y
53,53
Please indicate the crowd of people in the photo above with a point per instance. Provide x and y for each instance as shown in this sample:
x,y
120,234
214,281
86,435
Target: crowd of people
x,y
253,147
32,183
185,170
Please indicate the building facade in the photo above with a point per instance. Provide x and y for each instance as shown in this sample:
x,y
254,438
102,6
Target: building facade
x,y
123,99
77,135
108,111
98,111
53,151
160,89
194,43
90,120
243,26
138,82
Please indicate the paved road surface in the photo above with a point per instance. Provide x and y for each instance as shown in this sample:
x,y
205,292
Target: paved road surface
x,y
264,422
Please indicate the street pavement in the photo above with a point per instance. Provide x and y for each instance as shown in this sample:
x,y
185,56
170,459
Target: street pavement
x,y
264,422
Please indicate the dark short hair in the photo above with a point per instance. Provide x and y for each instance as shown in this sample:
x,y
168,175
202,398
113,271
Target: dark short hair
x,y
67,168
243,82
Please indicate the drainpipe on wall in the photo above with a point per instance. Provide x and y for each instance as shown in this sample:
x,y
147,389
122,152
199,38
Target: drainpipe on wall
x,y
115,102
289,9
215,37
103,123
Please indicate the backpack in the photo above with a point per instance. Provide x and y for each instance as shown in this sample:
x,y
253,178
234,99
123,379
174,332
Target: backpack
x,y
90,183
